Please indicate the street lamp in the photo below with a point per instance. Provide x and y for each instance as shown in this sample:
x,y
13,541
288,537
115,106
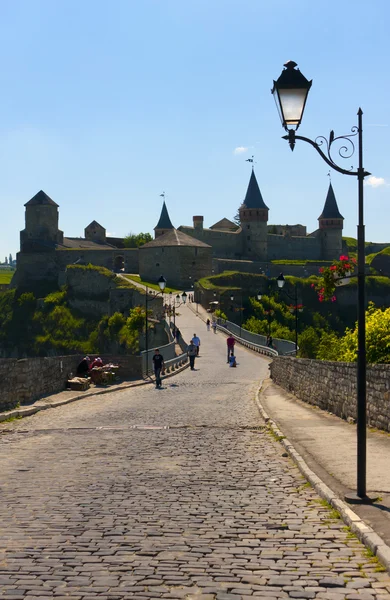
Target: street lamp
x,y
290,92
176,304
269,312
162,282
241,309
280,280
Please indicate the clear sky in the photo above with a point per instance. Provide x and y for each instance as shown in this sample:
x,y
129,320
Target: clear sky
x,y
106,104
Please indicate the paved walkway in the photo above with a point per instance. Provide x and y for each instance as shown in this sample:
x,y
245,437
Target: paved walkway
x,y
172,493
328,445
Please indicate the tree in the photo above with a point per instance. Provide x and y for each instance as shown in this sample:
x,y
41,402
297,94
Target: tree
x,y
377,338
308,342
135,240
236,218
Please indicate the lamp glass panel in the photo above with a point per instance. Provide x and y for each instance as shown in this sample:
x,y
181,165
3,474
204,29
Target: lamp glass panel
x,y
292,103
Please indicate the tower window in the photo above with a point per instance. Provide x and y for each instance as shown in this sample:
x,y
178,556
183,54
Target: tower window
x,y
196,251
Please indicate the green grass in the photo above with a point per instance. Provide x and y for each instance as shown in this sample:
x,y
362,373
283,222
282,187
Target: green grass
x,y
301,262
11,419
152,286
6,276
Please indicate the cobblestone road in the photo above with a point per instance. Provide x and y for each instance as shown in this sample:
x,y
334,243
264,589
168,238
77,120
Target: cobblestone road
x,y
99,501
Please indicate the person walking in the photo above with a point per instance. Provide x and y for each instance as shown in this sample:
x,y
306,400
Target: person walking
x,y
177,335
192,353
158,366
214,326
196,341
230,346
208,324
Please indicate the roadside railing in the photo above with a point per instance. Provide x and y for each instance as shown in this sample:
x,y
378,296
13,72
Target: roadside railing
x,y
172,362
175,363
251,345
282,347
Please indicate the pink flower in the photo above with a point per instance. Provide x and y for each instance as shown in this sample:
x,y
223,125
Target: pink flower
x,y
333,267
333,298
312,285
321,269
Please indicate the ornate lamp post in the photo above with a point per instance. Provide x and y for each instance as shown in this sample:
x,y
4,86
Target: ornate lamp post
x,y
162,282
290,92
176,304
280,280
241,309
269,312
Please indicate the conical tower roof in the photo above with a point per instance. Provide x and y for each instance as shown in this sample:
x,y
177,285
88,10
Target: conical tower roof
x,y
331,210
253,198
164,221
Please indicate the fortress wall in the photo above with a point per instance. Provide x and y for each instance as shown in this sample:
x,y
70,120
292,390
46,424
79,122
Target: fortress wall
x,y
28,379
101,258
176,263
35,267
372,248
293,248
224,243
247,266
332,386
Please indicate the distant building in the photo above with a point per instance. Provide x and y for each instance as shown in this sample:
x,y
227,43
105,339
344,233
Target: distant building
x,y
183,254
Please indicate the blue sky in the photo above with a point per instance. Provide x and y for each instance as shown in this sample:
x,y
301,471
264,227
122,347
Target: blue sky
x,y
104,105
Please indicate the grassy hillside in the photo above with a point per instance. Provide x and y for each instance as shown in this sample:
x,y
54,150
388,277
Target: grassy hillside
x,y
6,276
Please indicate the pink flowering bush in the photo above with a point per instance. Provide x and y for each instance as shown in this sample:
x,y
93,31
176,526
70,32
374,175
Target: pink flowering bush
x,y
330,277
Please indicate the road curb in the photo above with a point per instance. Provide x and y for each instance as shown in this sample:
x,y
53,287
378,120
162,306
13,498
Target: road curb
x,y
363,532
31,410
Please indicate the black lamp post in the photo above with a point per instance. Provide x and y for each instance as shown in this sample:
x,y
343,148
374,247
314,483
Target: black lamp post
x,y
280,280
259,297
162,282
290,92
232,299
176,304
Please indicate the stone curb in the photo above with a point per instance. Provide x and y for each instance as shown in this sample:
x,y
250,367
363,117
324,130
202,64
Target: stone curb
x,y
31,410
363,532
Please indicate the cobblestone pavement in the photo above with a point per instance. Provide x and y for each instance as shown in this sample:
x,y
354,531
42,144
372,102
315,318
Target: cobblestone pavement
x,y
178,493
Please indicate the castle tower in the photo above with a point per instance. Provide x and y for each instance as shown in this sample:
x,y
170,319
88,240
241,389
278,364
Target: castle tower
x,y
95,233
164,224
331,227
254,216
41,233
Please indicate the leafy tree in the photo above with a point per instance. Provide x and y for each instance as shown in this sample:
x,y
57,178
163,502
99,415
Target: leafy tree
x,y
220,314
133,240
328,347
60,331
308,343
377,337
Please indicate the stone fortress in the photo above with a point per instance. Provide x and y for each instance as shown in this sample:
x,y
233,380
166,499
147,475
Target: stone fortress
x,y
182,255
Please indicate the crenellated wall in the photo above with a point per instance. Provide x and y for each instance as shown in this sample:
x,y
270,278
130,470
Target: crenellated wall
x,y
332,387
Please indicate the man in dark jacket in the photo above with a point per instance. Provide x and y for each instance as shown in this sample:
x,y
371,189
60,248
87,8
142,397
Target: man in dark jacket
x,y
192,351
158,366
